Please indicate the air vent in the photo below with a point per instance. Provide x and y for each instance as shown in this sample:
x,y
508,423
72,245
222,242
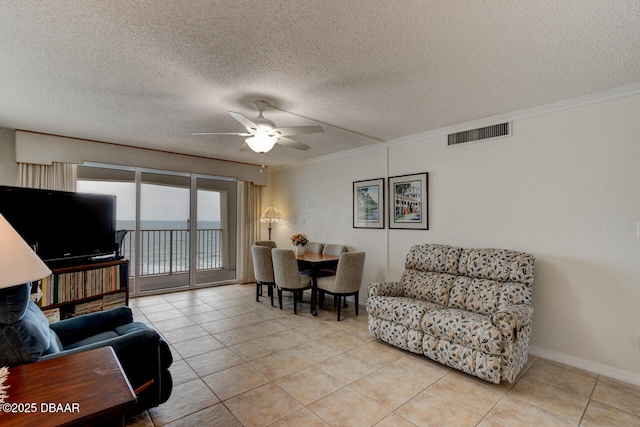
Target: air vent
x,y
495,131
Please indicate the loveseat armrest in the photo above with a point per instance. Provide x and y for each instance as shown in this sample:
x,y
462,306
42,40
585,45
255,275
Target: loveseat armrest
x,y
510,320
386,289
78,328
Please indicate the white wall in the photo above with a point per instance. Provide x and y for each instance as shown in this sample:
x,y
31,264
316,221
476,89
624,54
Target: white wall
x,y
563,187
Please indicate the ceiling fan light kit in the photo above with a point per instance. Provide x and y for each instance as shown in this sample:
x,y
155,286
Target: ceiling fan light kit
x,y
261,143
263,134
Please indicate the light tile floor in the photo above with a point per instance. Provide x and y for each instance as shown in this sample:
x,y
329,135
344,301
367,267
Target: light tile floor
x,y
238,362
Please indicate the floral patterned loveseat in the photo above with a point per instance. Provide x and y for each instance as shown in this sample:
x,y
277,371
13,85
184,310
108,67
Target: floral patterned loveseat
x,y
466,308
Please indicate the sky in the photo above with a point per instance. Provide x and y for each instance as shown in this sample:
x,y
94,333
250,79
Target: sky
x,y
158,203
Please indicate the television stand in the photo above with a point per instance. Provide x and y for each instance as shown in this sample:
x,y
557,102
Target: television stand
x,y
73,290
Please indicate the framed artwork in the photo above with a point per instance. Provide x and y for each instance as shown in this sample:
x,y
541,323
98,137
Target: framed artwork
x,y
408,207
368,203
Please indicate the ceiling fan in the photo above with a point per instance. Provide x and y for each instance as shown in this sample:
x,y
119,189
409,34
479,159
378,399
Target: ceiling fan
x,y
263,134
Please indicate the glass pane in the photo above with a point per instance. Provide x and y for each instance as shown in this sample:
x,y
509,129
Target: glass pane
x,y
215,248
164,237
125,193
209,237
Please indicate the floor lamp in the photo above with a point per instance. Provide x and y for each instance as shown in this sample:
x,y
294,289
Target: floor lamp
x,y
270,215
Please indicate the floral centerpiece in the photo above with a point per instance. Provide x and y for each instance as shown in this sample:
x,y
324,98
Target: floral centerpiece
x,y
300,242
299,239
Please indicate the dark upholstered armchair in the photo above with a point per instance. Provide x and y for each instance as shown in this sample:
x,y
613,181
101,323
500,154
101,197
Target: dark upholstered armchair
x,y
26,336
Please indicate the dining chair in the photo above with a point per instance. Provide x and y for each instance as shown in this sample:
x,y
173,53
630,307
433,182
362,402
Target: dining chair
x,y
347,280
287,276
335,250
268,243
314,247
263,270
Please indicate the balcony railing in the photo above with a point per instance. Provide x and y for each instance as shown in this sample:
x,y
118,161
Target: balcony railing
x,y
165,252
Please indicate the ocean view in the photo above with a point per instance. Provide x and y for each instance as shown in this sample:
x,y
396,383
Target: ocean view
x,y
165,245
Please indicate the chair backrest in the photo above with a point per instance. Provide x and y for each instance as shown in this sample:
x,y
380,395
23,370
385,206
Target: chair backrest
x,y
285,269
262,263
478,280
335,250
314,247
24,330
349,272
268,243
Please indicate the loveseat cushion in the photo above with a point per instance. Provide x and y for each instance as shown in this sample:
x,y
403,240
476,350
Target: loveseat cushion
x,y
427,286
514,294
497,264
407,312
480,296
468,329
435,258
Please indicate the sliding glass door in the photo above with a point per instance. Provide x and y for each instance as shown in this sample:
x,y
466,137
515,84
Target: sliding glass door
x,y
164,232
181,228
215,240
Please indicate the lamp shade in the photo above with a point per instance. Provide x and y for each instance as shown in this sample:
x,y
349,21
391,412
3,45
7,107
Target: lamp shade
x,y
270,214
18,262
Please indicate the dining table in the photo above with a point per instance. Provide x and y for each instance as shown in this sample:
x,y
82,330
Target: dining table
x,y
315,262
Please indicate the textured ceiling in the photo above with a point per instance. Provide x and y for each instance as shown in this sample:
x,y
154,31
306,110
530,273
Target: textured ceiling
x,y
146,73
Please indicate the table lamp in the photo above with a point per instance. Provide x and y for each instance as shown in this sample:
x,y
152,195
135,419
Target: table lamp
x,y
18,262
270,215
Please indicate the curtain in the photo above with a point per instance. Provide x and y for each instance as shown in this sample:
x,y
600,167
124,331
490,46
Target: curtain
x,y
57,176
249,228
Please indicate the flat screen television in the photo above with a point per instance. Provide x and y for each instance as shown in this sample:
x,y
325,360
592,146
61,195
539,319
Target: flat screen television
x,y
62,226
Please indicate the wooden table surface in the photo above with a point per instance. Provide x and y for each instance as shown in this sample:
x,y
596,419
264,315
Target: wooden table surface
x,y
80,389
314,258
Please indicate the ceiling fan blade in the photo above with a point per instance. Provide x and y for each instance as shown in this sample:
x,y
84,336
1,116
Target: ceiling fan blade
x,y
245,147
299,130
245,121
220,133
292,143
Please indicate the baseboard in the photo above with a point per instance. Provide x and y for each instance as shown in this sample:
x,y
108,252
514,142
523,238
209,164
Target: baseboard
x,y
598,368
